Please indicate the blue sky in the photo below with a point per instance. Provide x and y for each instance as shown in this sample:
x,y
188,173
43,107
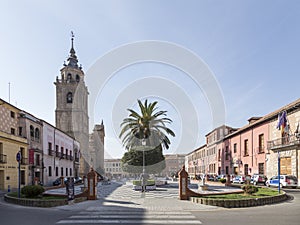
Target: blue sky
x,y
251,47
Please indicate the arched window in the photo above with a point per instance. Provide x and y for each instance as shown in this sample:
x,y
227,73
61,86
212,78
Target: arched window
x,y
31,132
69,97
77,78
69,77
37,134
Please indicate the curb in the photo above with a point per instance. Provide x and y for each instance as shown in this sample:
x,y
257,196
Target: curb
x,y
239,203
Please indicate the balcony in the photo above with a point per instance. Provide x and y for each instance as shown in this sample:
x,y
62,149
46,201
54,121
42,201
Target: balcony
x,y
24,161
285,143
3,158
51,152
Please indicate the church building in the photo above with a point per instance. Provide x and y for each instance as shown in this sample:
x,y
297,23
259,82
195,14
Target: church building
x,y
71,114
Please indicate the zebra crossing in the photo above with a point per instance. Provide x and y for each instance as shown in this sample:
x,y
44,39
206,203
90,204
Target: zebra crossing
x,y
126,215
126,192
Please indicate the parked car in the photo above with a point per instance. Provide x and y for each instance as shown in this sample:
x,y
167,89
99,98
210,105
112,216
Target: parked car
x,y
239,179
57,182
259,179
285,181
78,180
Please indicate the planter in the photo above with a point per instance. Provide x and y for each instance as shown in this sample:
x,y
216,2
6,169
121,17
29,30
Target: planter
x,y
237,203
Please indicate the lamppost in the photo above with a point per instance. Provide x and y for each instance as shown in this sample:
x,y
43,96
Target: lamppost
x,y
143,172
195,163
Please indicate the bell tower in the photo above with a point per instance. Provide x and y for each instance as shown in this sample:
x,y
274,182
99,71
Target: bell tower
x,y
71,114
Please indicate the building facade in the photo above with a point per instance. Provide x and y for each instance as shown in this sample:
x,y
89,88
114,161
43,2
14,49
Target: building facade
x,y
96,148
174,163
284,145
12,143
113,169
255,148
30,128
71,114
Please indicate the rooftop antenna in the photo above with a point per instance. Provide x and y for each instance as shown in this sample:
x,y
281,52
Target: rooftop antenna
x,y
8,92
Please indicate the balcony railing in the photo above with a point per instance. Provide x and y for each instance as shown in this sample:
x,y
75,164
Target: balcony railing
x,y
3,158
288,142
24,161
51,152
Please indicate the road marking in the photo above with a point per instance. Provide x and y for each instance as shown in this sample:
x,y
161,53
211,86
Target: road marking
x,y
111,216
129,221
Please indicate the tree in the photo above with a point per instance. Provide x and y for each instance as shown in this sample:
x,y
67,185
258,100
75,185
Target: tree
x,y
145,132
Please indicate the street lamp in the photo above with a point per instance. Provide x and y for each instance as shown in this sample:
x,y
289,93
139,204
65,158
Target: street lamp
x,y
143,172
195,163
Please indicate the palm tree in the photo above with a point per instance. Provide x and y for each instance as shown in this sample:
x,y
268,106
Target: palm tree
x,y
148,127
143,131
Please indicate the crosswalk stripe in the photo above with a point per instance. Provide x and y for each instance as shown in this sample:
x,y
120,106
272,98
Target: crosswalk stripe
x,y
133,216
129,221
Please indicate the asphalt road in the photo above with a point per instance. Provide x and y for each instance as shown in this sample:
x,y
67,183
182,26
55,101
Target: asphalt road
x,y
109,211
286,213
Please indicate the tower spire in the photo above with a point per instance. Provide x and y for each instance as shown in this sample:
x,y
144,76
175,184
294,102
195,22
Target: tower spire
x,y
72,60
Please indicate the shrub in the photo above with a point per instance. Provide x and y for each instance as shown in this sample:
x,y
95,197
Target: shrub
x,y
138,182
249,189
223,180
32,191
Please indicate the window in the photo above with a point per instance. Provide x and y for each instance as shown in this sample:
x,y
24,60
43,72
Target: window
x,y
246,169
56,152
77,78
20,131
69,77
261,168
246,147
71,172
50,171
37,134
62,152
226,154
69,97
49,148
37,160
31,132
56,171
66,172
12,114
261,143
12,131
219,155
227,170
234,148
62,171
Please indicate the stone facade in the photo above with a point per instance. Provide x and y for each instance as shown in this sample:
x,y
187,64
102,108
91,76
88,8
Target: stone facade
x,y
71,114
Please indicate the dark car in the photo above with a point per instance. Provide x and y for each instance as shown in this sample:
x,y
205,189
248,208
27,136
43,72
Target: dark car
x,y
78,180
57,182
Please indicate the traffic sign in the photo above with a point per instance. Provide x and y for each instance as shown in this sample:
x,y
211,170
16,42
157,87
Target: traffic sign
x,y
18,156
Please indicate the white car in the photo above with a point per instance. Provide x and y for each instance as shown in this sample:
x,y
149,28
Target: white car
x,y
238,179
285,181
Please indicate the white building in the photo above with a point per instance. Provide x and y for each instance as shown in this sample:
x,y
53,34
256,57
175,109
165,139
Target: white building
x,y
61,154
